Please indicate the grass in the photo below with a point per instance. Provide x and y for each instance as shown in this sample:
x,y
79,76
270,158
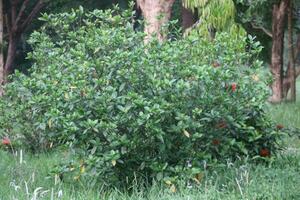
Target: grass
x,y
26,177
278,180
287,114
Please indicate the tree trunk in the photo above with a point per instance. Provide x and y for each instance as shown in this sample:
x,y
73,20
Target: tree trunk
x,y
1,49
11,53
16,23
287,78
188,18
291,53
278,17
156,14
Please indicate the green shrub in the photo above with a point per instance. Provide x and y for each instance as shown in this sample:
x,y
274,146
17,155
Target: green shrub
x,y
129,110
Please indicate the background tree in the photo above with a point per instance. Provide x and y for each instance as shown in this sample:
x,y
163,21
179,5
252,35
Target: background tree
x,y
255,17
215,15
156,13
18,16
291,53
1,48
279,12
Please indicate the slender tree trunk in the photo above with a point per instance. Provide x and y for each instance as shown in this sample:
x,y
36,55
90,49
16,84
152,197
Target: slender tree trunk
x,y
291,52
278,17
17,20
11,53
188,18
1,49
297,49
287,78
156,13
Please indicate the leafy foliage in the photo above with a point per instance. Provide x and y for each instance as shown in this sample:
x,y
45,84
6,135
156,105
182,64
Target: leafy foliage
x,y
215,15
129,110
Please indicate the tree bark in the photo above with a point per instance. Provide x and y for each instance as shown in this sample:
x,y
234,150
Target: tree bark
x,y
287,78
188,18
278,17
291,53
156,14
16,23
1,49
11,53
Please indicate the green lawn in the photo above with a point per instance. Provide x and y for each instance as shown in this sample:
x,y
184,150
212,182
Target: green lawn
x,y
287,114
279,180
29,180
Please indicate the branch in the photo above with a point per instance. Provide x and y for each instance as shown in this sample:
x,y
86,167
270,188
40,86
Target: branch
x,y
269,33
38,6
296,53
297,47
13,14
297,71
283,6
21,12
7,24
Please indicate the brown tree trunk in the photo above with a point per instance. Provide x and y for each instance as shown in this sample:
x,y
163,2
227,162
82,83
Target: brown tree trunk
x,y
291,53
278,17
156,13
16,23
188,18
1,49
287,78
11,53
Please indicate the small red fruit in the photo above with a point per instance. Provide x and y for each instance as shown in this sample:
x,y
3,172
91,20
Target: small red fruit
x,y
216,142
233,87
264,152
221,124
6,141
216,64
279,126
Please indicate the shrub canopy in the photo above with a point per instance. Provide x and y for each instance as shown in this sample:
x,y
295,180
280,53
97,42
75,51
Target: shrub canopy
x,y
129,110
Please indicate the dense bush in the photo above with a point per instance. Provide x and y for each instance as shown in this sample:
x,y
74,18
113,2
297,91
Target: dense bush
x,y
129,110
